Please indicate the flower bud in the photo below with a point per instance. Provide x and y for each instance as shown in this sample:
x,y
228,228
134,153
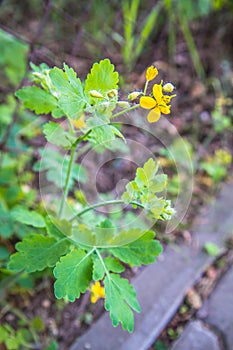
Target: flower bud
x,y
168,87
151,73
133,95
95,93
123,104
112,93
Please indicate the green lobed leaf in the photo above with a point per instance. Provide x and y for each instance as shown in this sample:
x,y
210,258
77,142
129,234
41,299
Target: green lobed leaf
x,y
69,89
102,77
120,297
28,217
55,134
113,265
142,251
37,100
37,252
143,189
73,274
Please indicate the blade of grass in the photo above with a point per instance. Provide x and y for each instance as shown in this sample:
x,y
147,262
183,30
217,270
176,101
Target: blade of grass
x,y
191,46
146,30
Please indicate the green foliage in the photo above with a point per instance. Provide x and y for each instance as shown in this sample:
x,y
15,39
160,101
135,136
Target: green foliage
x,y
159,345
120,298
69,91
55,134
135,39
143,190
37,252
73,274
216,165
37,100
212,248
142,251
102,78
12,70
14,340
28,217
56,166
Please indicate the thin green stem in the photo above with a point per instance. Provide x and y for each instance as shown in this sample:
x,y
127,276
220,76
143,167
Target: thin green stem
x,y
126,110
70,165
102,204
102,262
66,187
146,86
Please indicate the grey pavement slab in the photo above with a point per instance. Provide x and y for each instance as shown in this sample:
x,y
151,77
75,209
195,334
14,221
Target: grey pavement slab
x,y
162,286
220,308
197,336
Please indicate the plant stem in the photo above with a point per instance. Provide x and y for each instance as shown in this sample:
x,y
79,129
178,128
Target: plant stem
x,y
102,262
102,204
146,86
66,188
70,165
126,110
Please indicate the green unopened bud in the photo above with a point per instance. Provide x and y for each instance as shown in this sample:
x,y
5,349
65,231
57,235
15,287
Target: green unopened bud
x,y
36,74
95,93
168,87
112,93
123,104
133,95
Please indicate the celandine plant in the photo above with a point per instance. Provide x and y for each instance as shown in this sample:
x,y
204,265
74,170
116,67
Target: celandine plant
x,y
88,256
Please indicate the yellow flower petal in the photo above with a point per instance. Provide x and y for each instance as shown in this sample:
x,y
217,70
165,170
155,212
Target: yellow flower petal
x,y
157,92
147,102
93,299
80,123
97,292
165,109
151,73
154,115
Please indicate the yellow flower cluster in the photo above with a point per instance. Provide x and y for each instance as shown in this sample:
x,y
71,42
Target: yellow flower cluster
x,y
157,103
97,292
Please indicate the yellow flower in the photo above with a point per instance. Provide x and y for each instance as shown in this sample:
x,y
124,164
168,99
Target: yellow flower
x,y
97,292
80,123
157,104
151,73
